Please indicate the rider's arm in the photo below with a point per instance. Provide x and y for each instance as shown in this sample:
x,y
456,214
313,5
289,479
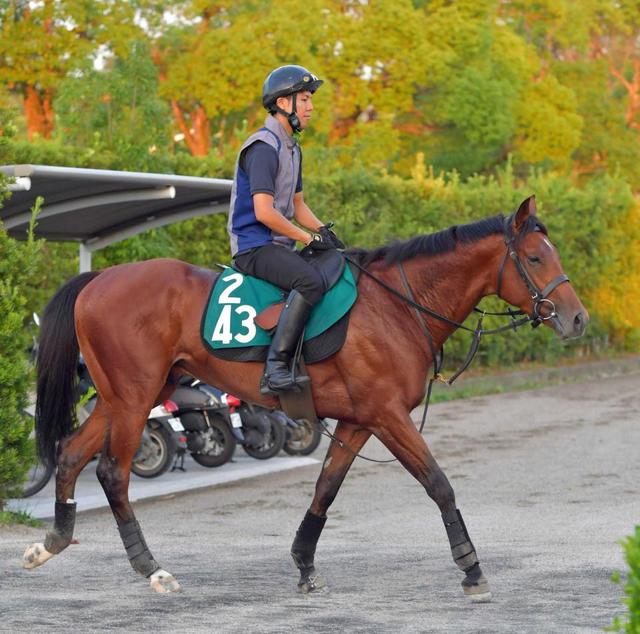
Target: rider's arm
x,y
303,215
272,218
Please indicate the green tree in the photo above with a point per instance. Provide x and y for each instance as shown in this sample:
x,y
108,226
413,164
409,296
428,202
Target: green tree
x,y
42,43
116,110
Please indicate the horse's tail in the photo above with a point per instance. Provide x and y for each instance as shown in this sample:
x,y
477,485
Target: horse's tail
x,y
57,368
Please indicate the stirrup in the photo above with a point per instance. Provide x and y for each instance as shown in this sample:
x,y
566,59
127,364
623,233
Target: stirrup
x,y
294,385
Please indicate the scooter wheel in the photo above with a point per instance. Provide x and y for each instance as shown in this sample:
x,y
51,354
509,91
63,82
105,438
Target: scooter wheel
x,y
303,441
157,457
220,446
271,442
37,478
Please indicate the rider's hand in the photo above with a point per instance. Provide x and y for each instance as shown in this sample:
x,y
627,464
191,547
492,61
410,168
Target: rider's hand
x,y
318,243
330,237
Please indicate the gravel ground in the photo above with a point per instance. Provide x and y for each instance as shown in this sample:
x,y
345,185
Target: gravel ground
x,y
547,482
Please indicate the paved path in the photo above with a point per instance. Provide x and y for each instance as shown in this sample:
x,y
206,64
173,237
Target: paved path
x,y
89,494
547,481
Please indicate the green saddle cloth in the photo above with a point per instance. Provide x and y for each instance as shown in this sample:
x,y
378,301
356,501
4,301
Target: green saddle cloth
x,y
237,299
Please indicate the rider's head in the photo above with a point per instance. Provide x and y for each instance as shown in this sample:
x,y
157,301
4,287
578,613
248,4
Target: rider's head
x,y
287,91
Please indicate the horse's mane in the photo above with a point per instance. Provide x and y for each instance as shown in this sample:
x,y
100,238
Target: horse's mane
x,y
441,241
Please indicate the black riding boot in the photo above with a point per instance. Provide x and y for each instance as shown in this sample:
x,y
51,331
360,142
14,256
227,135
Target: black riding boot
x,y
277,372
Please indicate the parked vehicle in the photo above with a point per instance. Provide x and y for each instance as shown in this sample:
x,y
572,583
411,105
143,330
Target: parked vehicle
x,y
264,433
299,437
211,433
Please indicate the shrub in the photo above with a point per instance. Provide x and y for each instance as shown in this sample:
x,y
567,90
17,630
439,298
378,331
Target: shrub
x,y
17,262
630,622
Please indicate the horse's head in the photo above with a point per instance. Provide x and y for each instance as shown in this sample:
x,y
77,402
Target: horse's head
x,y
531,276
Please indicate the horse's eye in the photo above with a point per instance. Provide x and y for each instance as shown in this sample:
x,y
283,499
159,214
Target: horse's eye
x,y
533,259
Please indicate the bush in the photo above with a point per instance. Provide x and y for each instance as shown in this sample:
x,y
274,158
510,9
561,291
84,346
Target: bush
x,y
630,622
17,262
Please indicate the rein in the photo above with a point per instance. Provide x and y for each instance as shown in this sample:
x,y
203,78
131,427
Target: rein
x,y
539,297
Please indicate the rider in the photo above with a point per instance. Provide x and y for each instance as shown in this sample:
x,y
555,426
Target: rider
x,y
265,198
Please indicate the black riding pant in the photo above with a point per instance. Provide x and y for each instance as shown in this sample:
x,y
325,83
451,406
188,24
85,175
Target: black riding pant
x,y
284,268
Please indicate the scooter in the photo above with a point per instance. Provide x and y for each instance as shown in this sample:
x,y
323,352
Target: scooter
x,y
295,437
212,434
216,422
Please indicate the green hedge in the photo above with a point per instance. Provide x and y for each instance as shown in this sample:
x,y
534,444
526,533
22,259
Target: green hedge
x,y
17,261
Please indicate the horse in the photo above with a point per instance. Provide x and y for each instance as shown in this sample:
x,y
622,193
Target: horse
x,y
142,320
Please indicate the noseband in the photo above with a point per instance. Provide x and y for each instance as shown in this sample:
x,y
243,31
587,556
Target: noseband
x,y
539,297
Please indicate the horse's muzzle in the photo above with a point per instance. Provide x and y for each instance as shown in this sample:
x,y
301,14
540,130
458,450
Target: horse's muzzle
x,y
571,327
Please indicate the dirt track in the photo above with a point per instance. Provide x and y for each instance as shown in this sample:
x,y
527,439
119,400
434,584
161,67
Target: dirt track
x,y
547,482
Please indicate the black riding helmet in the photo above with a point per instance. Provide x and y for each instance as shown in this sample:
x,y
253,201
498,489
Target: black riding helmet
x,y
284,81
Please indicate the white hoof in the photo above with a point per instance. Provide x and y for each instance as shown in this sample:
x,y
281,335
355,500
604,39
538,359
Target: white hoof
x,y
35,556
163,581
484,597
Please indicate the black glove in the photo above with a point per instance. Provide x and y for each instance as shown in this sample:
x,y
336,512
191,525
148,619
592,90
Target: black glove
x,y
330,237
318,243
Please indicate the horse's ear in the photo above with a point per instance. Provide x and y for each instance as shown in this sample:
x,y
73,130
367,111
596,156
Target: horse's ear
x,y
526,209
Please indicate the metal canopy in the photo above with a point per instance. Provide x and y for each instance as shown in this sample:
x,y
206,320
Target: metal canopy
x,y
99,207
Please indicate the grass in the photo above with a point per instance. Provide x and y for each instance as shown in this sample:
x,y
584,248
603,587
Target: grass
x,y
9,518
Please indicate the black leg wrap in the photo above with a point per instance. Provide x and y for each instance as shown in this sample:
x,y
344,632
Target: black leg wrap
x,y
137,550
303,549
464,554
60,537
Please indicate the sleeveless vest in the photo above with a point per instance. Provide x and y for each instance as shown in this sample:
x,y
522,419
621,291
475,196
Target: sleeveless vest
x,y
245,230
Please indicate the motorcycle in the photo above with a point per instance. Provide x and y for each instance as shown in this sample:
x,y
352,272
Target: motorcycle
x,y
264,433
211,433
216,422
295,437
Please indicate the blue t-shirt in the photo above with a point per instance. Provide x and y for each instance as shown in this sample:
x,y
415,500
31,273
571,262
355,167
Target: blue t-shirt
x,y
260,163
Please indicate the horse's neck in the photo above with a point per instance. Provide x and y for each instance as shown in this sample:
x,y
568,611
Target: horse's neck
x,y
451,284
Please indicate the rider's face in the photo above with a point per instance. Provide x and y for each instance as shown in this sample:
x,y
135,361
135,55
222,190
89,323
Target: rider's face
x,y
304,106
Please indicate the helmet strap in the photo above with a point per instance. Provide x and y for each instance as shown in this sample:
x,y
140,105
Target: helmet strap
x,y
292,117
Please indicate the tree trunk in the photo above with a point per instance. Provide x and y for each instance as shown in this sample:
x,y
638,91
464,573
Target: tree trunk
x,y
38,111
198,136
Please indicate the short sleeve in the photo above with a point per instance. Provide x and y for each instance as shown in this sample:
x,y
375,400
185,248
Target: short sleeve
x,y
260,163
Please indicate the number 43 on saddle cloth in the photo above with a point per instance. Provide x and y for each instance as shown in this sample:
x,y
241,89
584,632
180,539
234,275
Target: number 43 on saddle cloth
x,y
230,325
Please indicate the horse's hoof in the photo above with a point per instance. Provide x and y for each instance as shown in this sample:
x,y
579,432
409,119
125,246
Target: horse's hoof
x,y
312,584
163,581
35,556
478,591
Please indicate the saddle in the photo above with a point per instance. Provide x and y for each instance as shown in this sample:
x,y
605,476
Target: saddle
x,y
242,312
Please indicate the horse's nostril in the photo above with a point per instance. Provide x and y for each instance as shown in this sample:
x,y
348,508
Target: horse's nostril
x,y
578,320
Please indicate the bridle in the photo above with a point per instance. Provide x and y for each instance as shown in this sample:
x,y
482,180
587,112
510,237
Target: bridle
x,y
539,297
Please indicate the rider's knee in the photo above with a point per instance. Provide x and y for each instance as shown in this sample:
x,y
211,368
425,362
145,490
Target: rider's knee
x,y
310,286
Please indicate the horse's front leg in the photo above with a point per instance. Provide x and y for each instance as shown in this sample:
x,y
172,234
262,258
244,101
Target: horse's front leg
x,y
401,437
340,455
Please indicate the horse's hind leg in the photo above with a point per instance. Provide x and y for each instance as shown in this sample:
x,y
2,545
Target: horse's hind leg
x,y
405,442
114,468
339,458
74,453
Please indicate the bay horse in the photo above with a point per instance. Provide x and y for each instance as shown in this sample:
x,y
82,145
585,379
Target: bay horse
x,y
138,327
